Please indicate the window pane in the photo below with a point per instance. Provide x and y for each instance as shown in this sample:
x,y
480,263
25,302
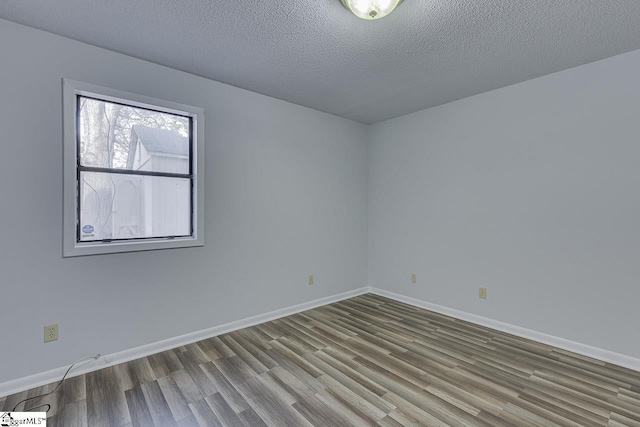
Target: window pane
x,y
123,137
122,206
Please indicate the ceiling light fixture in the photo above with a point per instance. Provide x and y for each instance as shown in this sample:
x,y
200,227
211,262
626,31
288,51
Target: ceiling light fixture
x,y
371,9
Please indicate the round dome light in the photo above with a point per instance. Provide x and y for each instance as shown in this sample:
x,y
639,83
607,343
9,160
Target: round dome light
x,y
371,9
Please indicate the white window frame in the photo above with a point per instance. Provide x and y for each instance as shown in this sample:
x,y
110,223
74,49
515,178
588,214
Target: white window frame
x,y
71,89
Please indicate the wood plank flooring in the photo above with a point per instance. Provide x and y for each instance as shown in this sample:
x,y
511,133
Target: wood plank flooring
x,y
360,362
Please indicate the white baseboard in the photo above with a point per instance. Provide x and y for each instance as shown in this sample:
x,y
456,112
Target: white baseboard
x,y
583,349
37,380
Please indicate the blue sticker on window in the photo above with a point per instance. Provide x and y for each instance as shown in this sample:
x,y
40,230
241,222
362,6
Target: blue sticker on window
x,y
87,229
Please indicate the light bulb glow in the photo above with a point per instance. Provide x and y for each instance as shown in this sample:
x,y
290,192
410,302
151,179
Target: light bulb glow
x,y
371,9
361,5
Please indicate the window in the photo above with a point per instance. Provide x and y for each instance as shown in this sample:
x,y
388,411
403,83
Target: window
x,y
132,172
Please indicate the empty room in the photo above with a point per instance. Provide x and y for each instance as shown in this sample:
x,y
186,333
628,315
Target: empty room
x,y
320,213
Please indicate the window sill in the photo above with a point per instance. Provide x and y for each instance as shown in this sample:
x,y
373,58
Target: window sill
x,y
97,248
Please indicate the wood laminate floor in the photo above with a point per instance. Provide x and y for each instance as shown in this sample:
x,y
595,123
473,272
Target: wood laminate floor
x,y
364,361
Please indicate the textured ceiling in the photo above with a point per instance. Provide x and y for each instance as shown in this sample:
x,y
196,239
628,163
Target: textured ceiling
x,y
316,53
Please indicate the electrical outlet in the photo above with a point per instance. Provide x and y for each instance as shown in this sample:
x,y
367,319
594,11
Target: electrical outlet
x,y
51,333
310,279
483,293
414,278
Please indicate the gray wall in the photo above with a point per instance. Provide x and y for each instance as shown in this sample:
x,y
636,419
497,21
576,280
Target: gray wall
x,y
286,197
532,191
